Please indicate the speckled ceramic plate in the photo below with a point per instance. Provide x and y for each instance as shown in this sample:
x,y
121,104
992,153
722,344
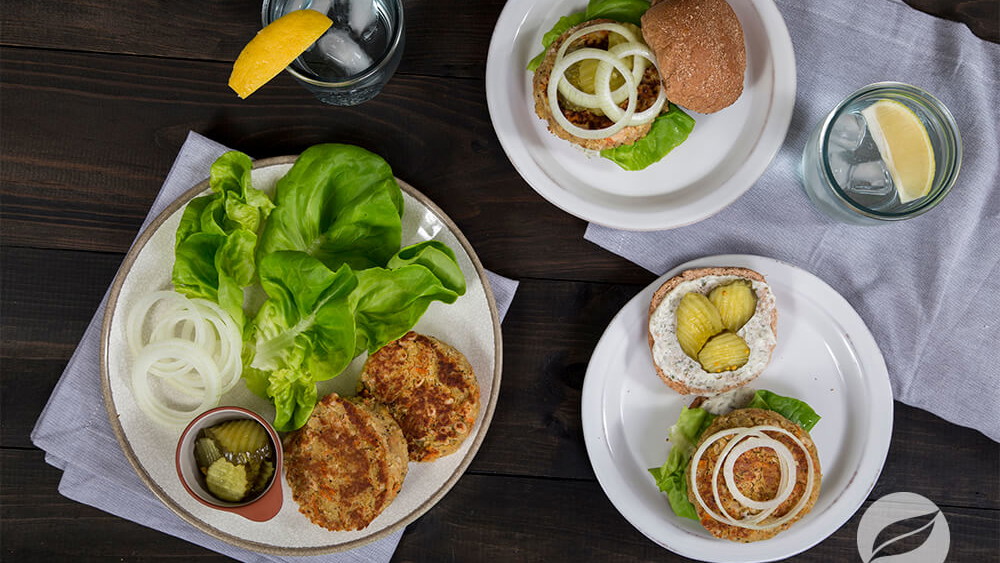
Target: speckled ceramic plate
x,y
471,324
825,356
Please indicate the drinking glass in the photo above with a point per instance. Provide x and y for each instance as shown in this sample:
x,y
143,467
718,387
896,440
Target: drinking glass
x,y
355,58
845,176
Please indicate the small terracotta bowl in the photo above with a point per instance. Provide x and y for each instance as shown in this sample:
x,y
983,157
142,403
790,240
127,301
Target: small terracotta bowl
x,y
260,508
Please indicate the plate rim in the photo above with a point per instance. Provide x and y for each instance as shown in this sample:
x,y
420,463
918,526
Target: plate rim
x,y
775,129
596,437
112,300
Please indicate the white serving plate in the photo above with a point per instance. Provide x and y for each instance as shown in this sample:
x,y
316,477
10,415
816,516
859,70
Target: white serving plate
x,y
724,155
825,356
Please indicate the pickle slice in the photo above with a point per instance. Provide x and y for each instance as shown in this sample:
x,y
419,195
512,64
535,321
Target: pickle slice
x,y
725,351
736,302
227,481
697,321
206,451
241,441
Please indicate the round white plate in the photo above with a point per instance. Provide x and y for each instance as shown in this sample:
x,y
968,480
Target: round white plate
x,y
825,356
471,324
724,155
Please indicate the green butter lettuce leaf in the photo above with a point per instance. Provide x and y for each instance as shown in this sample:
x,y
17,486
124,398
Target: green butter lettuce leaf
x,y
294,397
307,321
339,204
669,130
217,236
302,334
629,11
389,301
671,478
793,409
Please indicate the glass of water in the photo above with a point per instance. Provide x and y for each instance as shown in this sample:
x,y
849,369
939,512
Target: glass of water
x,y
846,176
355,58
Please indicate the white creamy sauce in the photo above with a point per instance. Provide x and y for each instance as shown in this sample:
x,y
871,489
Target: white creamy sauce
x,y
725,403
757,333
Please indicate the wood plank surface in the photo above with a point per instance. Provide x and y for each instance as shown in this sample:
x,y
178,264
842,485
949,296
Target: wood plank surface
x,y
94,106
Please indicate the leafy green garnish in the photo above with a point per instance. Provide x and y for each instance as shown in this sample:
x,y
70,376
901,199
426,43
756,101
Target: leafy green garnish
x,y
671,478
793,409
669,130
340,204
329,260
629,11
217,236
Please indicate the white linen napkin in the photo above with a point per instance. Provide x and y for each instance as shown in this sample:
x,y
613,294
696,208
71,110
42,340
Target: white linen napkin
x,y
929,287
74,431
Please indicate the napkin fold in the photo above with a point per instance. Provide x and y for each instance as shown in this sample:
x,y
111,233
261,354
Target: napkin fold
x,y
928,287
76,435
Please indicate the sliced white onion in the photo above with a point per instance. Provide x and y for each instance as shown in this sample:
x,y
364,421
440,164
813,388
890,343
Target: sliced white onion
x,y
586,99
743,440
604,98
152,403
558,71
203,358
602,83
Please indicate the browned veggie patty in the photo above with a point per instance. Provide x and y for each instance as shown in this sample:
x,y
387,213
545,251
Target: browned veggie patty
x,y
347,463
756,473
430,389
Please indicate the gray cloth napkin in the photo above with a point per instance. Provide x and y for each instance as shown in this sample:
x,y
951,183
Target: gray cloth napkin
x,y
74,431
929,287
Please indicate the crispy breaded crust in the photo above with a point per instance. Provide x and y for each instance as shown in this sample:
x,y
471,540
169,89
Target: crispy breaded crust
x,y
756,474
347,463
689,275
540,87
700,49
429,387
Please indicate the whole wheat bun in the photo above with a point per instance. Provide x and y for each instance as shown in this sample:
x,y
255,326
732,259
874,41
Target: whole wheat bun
x,y
700,50
664,372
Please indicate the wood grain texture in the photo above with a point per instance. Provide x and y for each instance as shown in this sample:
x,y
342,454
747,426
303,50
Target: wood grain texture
x,y
95,106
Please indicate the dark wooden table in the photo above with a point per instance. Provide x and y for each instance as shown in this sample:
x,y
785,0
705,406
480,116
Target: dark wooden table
x,y
96,100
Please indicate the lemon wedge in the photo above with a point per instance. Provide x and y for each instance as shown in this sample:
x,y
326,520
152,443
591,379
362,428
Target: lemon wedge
x,y
905,147
274,48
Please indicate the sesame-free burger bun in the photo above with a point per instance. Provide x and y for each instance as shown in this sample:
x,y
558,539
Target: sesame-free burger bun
x,y
699,47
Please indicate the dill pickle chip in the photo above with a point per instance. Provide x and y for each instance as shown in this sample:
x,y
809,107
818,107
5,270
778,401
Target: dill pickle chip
x,y
725,351
227,481
697,321
241,440
736,302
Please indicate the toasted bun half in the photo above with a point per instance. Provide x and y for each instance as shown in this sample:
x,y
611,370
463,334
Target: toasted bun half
x,y
756,474
679,371
699,47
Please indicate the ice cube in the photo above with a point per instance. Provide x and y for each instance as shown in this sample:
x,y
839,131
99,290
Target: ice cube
x,y
339,48
840,165
848,132
870,178
296,5
361,14
321,6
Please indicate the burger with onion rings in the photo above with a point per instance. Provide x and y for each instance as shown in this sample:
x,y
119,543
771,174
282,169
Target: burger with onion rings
x,y
747,473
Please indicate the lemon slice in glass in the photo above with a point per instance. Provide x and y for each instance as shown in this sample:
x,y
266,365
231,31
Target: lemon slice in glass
x,y
905,147
274,48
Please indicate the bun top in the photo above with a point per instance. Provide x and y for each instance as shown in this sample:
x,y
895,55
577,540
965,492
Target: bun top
x,y
699,47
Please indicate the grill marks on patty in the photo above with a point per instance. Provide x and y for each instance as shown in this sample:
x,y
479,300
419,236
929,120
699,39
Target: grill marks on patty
x,y
347,463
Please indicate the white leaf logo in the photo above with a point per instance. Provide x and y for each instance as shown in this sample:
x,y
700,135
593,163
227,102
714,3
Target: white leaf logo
x,y
903,528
